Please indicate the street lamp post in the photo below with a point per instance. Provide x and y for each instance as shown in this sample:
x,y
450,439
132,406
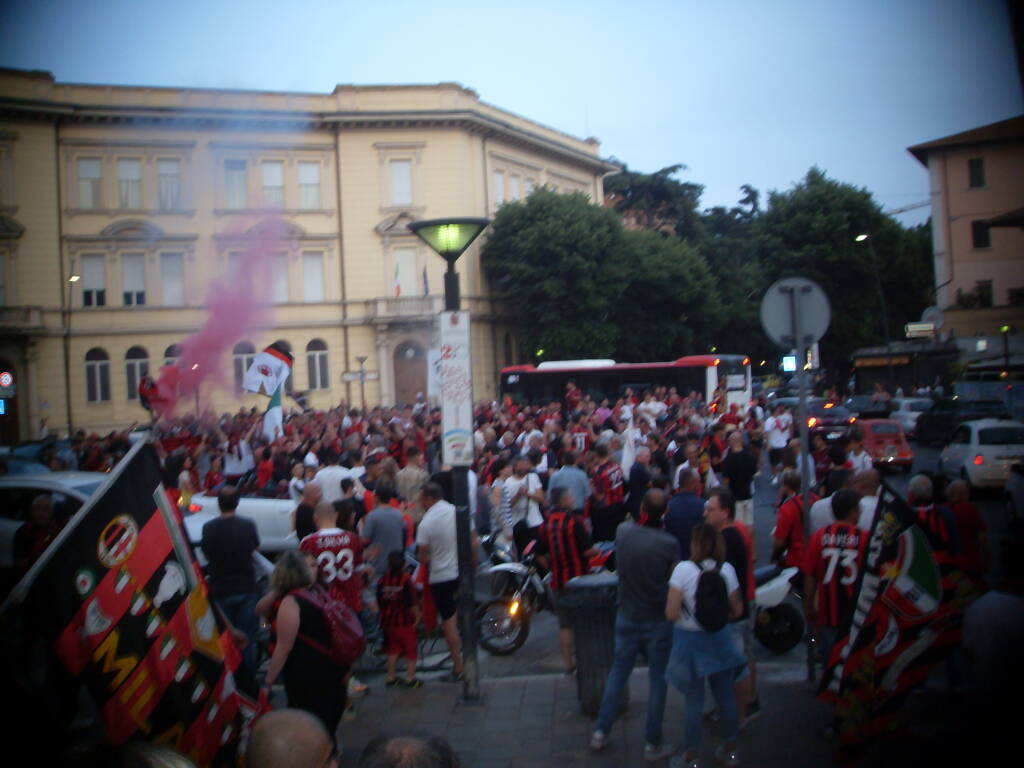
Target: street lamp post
x,y
449,238
881,300
361,359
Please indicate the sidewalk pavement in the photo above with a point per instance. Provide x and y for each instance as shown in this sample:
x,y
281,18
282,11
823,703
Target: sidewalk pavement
x,y
536,721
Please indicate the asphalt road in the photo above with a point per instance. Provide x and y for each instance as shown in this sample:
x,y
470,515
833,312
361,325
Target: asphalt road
x,y
539,655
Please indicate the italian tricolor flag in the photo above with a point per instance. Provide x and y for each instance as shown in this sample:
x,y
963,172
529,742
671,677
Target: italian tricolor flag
x,y
273,419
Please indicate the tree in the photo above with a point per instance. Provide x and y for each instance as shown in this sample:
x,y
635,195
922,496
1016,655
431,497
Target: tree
x,y
556,263
669,306
579,285
809,231
656,201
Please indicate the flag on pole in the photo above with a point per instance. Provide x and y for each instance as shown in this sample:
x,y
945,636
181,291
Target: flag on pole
x,y
398,282
426,285
273,420
269,370
907,618
628,445
121,602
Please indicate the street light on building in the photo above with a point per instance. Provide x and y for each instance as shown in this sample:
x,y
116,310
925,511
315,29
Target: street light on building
x,y
881,300
361,359
450,238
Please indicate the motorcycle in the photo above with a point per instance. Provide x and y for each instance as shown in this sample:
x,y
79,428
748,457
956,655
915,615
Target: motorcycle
x,y
503,622
778,625
498,553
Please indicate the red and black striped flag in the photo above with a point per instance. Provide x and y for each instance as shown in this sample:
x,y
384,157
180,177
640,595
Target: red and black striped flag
x,y
119,602
907,617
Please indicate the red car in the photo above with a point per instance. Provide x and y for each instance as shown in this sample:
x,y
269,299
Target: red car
x,y
886,444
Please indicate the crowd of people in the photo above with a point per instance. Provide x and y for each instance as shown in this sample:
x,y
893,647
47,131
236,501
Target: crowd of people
x,y
664,475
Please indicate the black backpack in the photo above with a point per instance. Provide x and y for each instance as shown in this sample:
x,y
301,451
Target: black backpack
x,y
711,607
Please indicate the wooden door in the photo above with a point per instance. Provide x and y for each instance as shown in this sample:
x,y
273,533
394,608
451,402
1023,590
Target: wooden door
x,y
410,367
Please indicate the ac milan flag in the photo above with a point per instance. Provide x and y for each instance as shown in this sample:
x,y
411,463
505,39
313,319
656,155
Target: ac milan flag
x,y
269,370
907,618
119,601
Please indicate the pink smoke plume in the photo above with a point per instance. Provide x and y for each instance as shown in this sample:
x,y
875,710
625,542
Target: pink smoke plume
x,y
236,304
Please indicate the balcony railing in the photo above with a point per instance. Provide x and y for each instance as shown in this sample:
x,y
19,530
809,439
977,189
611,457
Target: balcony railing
x,y
14,319
404,307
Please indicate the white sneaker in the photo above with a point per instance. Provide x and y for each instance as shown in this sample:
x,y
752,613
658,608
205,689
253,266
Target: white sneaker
x,y
598,741
654,752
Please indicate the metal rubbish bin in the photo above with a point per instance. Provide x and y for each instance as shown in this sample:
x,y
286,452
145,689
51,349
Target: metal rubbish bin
x,y
591,602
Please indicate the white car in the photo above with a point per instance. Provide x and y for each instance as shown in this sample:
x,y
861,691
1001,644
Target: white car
x,y
70,490
273,518
907,409
981,452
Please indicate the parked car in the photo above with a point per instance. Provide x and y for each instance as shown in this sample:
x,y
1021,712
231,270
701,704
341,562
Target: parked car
x,y
273,518
833,422
936,425
982,451
864,407
70,491
886,443
907,410
17,465
1014,493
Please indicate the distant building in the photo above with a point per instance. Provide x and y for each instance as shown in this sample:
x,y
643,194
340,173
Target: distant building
x,y
977,192
148,195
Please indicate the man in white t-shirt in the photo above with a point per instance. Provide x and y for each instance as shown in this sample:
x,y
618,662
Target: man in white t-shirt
x,y
526,493
437,548
856,455
777,429
867,483
821,510
329,477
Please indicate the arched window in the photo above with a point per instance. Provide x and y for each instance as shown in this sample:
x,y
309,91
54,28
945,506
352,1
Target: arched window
x,y
288,383
136,365
241,357
171,354
316,362
97,376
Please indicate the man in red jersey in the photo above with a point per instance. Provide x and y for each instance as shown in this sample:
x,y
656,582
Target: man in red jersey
x,y
339,557
788,534
565,544
607,509
831,569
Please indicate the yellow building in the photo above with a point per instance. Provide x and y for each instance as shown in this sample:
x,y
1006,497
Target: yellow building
x,y
121,206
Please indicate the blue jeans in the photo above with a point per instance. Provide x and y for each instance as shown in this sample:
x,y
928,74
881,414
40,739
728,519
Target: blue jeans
x,y
693,710
655,637
241,612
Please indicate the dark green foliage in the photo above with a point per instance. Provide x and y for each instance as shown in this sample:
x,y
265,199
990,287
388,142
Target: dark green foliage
x,y
580,285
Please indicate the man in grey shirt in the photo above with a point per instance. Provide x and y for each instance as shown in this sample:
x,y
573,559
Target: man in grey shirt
x,y
573,478
645,557
383,530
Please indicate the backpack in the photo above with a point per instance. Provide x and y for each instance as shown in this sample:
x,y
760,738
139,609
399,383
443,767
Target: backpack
x,y
343,627
711,608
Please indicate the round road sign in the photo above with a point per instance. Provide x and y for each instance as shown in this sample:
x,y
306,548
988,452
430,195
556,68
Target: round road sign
x,y
6,379
795,302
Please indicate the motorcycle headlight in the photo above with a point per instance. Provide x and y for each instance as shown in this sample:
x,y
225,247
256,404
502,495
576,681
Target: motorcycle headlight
x,y
513,608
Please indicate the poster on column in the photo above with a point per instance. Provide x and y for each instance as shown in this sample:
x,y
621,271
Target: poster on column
x,y
456,381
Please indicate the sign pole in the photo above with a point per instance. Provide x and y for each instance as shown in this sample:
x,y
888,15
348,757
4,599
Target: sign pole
x,y
800,342
795,313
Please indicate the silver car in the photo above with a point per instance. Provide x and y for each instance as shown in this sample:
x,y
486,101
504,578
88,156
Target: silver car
x,y
907,409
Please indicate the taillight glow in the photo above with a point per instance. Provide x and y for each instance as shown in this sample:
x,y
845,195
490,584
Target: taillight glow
x,y
746,361
979,460
193,508
811,421
853,419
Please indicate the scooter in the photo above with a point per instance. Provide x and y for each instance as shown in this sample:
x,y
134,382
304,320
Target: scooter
x,y
777,624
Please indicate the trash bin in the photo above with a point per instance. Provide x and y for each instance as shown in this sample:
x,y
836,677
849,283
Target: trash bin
x,y
591,602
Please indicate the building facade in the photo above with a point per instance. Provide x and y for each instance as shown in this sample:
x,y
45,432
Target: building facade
x,y
978,239
122,207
